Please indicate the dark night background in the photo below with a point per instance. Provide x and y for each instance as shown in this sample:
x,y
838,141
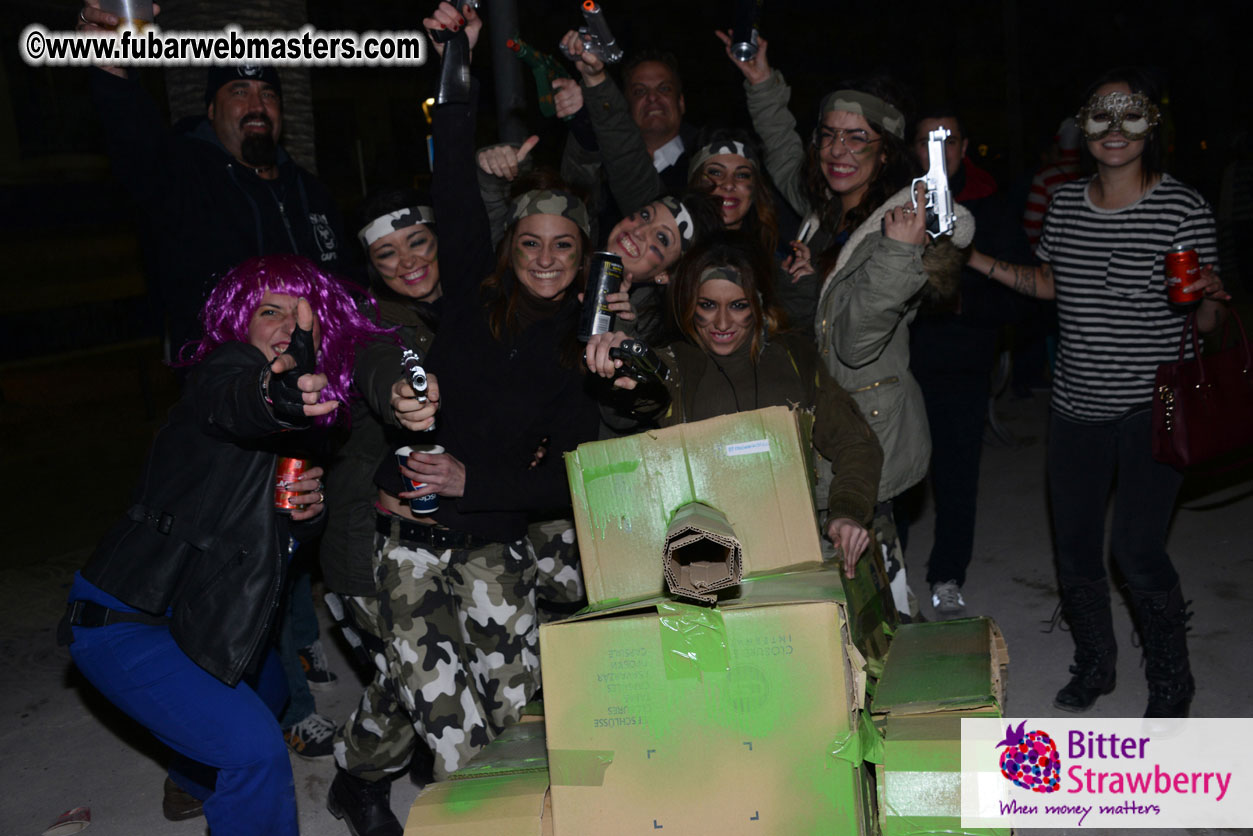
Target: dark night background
x,y
1015,69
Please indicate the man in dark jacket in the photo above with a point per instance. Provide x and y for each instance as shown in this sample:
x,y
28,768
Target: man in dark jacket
x,y
952,351
221,193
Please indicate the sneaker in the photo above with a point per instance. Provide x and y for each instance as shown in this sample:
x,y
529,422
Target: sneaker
x,y
946,599
313,660
313,737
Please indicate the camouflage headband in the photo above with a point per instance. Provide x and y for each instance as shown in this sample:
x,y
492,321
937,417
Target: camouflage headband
x,y
724,272
392,221
715,149
682,219
550,202
872,108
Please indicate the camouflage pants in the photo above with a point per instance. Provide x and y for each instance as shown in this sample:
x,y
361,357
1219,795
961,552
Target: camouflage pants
x,y
378,738
893,553
559,574
461,641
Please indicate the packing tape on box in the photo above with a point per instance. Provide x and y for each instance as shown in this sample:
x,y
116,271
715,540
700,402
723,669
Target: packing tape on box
x,y
578,767
862,744
693,640
931,794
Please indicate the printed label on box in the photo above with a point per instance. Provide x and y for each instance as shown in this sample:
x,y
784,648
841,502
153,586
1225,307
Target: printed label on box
x,y
744,448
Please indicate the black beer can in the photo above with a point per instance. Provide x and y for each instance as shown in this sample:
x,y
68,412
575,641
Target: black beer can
x,y
604,276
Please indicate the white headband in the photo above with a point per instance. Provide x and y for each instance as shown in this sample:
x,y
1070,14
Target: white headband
x,y
392,221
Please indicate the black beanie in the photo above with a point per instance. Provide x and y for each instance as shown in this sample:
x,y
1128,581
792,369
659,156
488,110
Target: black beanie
x,y
219,76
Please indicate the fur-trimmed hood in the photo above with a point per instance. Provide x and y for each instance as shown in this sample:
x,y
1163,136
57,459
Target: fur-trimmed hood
x,y
943,257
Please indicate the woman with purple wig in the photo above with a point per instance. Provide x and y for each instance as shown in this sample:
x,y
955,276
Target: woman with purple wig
x,y
171,618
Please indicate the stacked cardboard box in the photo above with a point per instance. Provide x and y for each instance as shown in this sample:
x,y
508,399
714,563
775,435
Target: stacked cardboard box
x,y
748,716
935,674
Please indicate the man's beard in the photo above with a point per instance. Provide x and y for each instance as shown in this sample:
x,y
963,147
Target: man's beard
x,y
259,150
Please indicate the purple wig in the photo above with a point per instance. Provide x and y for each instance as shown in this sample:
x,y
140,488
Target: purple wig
x,y
229,309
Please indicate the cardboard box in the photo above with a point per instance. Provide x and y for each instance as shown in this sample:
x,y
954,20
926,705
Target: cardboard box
x,y
753,467
685,719
503,791
935,674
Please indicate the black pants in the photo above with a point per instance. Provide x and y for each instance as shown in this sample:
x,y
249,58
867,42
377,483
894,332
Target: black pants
x,y
957,409
1084,461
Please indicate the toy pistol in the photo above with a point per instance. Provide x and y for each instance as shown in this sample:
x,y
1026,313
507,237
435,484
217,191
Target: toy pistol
x,y
597,39
415,376
639,361
940,215
546,70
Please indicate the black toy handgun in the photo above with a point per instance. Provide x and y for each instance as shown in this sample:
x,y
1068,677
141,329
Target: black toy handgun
x,y
415,376
454,67
639,361
597,39
940,215
546,70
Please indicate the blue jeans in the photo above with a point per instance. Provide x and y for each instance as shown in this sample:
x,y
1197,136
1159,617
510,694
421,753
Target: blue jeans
x,y
298,628
140,669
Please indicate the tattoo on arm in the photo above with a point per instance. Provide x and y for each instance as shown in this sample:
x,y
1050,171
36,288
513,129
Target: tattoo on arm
x,y
1023,277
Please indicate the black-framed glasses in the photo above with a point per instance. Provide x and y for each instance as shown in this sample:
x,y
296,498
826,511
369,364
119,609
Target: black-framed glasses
x,y
855,139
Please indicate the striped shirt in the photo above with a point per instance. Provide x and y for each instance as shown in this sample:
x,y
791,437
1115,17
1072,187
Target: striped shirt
x,y
1109,270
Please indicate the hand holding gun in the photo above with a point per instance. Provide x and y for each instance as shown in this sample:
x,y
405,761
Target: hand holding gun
x,y
546,70
939,202
596,37
416,377
639,362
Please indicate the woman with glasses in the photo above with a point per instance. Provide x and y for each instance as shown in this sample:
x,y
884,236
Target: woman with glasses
x,y
873,260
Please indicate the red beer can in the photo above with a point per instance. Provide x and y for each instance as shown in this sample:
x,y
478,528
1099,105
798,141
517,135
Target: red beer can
x,y
1182,267
289,470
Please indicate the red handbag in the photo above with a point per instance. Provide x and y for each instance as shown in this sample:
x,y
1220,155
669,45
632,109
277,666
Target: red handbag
x,y
1203,406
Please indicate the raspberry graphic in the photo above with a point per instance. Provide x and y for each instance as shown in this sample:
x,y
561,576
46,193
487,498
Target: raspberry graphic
x,y
1030,759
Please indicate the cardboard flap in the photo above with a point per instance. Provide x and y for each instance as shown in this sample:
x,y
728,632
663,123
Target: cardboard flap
x,y
519,748
941,666
701,553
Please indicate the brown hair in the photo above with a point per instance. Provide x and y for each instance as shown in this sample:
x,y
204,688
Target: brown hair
x,y
501,291
728,248
761,221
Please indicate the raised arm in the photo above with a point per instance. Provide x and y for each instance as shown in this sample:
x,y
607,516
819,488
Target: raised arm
x,y
628,167
465,236
767,98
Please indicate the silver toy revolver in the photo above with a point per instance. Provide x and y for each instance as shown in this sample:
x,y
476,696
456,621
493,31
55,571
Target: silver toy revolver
x,y
597,39
940,215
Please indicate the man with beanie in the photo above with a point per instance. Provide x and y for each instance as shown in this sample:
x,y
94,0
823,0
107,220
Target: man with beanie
x,y
218,194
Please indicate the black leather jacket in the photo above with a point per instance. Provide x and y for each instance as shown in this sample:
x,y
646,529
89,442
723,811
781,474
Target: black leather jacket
x,y
202,540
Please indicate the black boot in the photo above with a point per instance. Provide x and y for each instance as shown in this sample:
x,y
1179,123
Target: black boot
x,y
1086,609
1163,621
364,805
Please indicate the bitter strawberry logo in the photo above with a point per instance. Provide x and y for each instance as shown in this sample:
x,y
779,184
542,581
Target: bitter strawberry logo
x,y
1030,759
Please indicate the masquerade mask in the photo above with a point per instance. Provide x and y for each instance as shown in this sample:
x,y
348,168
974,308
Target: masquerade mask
x,y
1130,114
